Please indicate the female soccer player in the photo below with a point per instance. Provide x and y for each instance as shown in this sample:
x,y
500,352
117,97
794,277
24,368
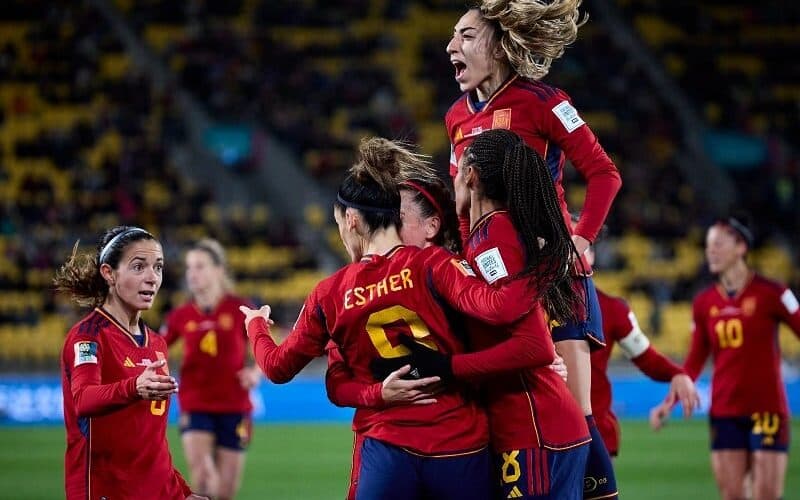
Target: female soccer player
x,y
736,321
620,326
215,383
501,50
391,291
114,374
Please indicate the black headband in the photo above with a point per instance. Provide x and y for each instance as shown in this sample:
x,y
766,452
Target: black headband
x,y
106,251
740,228
366,208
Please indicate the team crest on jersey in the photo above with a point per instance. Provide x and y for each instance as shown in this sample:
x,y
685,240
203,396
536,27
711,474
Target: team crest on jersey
x,y
463,266
226,321
191,326
85,352
502,118
713,312
490,264
749,306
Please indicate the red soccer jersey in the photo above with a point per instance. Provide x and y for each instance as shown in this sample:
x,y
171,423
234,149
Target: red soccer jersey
x,y
215,348
116,442
741,333
532,407
545,118
620,326
364,307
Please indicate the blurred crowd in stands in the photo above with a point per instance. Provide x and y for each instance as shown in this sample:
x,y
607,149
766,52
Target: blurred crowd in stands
x,y
87,137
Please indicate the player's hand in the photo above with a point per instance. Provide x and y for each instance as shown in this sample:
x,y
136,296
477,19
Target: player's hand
x,y
581,244
659,415
559,367
249,377
683,390
251,314
428,362
153,385
398,391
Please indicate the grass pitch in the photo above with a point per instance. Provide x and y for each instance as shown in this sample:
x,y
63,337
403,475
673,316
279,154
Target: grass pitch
x,y
313,462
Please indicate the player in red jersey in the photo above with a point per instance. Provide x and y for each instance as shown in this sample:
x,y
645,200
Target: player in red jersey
x,y
620,326
215,383
736,321
500,51
388,292
114,375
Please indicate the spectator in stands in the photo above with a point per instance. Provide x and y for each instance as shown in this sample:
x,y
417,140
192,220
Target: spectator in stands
x,y
501,50
115,376
736,321
215,403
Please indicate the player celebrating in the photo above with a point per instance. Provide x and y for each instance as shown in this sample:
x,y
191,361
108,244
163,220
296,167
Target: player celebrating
x,y
736,321
214,398
620,326
388,293
114,375
500,51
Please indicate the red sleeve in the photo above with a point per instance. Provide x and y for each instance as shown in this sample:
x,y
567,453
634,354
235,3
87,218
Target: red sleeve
x,y
584,151
306,341
529,346
657,366
344,390
169,331
700,346
457,284
91,397
182,483
790,310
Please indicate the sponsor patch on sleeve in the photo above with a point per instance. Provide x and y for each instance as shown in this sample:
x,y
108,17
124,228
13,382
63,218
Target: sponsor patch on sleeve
x,y
85,352
790,301
463,266
491,265
568,115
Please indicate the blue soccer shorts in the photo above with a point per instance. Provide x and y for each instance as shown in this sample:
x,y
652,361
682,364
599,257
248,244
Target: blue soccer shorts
x,y
759,431
231,430
542,474
589,326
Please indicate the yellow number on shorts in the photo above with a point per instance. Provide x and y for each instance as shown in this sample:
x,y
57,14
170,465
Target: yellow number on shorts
x,y
510,469
379,321
158,408
730,333
766,424
208,344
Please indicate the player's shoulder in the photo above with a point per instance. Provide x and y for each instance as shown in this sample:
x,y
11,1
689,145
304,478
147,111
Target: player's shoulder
x,y
492,229
90,326
768,285
543,92
608,301
458,106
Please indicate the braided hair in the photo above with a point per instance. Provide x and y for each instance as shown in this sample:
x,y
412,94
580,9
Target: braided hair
x,y
512,173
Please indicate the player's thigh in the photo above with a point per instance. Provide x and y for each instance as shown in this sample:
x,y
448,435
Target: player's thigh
x,y
387,472
730,468
579,368
462,477
198,439
230,465
769,473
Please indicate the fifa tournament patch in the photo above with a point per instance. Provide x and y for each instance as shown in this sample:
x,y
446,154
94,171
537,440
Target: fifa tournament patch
x,y
85,352
790,301
463,266
568,116
491,265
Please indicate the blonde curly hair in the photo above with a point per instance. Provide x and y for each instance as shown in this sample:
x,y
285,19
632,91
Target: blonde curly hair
x,y
533,33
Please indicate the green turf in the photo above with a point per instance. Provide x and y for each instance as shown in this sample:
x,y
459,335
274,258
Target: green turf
x,y
312,462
